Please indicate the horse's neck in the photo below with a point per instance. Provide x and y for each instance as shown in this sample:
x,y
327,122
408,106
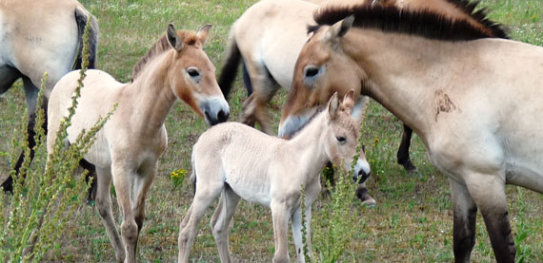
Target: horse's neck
x,y
404,72
308,146
150,96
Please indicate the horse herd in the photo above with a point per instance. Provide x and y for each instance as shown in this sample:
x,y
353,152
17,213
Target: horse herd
x,y
446,71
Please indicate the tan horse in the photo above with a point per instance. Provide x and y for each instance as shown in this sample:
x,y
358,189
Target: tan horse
x,y
269,36
38,37
475,103
127,149
237,161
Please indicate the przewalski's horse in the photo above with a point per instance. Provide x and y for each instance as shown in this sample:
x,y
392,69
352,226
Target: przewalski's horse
x,y
269,36
127,149
475,102
237,161
37,37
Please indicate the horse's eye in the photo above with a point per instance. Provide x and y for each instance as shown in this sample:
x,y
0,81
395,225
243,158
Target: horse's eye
x,y
193,72
311,71
341,139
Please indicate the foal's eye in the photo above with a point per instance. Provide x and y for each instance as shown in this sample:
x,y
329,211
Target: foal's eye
x,y
193,72
341,139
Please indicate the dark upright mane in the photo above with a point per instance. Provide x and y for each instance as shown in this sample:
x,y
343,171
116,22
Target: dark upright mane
x,y
421,23
158,48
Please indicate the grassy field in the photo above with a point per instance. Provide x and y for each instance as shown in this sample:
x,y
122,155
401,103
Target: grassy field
x,y
413,219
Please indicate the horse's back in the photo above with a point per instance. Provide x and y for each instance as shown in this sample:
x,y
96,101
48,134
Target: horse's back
x,y
98,94
272,33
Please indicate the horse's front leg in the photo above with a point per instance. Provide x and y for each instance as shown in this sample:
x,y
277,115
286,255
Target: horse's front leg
x,y
403,150
131,189
464,213
280,216
488,192
297,232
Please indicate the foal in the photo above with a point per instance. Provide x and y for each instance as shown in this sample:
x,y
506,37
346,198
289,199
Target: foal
x,y
127,149
238,161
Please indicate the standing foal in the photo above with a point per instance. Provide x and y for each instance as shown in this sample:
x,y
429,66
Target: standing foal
x,y
242,162
127,149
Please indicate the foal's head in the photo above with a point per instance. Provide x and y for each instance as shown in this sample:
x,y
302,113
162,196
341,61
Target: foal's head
x,y
189,72
313,83
341,136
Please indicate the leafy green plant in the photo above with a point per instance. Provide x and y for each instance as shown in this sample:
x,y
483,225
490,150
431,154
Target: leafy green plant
x,y
33,218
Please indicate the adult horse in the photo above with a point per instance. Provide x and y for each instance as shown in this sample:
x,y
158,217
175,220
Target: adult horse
x,y
474,102
127,148
37,37
270,34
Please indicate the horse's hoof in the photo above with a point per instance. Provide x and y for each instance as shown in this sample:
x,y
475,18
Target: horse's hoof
x,y
414,172
370,203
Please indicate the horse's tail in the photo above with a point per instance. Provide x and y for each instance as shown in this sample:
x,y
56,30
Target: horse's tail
x,y
82,17
230,66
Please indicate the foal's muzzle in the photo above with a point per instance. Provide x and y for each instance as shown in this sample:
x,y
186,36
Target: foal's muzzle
x,y
361,171
216,110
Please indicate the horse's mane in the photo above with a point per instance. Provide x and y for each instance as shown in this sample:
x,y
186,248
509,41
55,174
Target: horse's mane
x,y
423,23
160,46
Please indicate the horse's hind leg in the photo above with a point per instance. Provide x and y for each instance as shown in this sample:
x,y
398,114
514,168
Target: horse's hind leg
x,y
403,150
31,93
488,192
221,221
464,213
206,193
264,88
103,204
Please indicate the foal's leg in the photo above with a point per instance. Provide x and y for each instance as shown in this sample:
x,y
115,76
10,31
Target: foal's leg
x,y
280,215
403,150
103,204
221,221
131,189
464,215
488,192
204,196
297,232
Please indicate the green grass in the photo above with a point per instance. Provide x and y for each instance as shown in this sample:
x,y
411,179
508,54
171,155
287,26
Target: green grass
x,y
413,219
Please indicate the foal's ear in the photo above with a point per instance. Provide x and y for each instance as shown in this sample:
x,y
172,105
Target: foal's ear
x,y
348,101
173,38
340,28
360,108
333,106
203,33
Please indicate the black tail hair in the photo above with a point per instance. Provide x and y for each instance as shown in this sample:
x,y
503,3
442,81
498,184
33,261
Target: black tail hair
x,y
82,19
230,67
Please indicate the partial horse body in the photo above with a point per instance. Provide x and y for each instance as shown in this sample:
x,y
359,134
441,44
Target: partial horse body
x,y
127,149
38,37
269,36
475,102
237,161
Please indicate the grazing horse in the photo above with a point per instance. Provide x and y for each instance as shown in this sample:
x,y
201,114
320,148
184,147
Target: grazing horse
x,y
38,37
269,36
237,161
474,102
127,149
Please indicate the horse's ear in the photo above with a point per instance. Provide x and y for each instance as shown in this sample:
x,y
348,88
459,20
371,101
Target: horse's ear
x,y
340,28
203,33
359,109
348,101
173,38
333,106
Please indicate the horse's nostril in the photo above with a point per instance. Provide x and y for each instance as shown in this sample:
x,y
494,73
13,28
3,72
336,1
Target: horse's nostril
x,y
223,116
362,176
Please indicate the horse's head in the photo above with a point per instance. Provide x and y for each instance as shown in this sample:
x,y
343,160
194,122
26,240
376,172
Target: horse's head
x,y
192,75
321,70
341,136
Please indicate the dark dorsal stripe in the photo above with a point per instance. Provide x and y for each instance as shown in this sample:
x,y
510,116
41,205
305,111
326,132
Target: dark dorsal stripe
x,y
421,23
